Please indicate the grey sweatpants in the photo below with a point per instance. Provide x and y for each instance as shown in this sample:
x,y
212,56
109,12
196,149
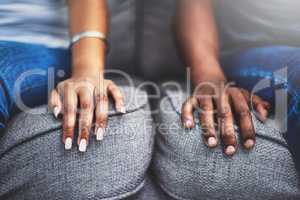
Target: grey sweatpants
x,y
34,164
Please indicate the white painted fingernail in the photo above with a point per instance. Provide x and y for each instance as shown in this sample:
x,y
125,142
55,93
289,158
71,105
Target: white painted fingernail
x,y
249,144
230,150
212,142
82,145
56,111
188,123
122,110
68,143
99,134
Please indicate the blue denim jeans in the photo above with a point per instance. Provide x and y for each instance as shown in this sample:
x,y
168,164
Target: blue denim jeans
x,y
26,68
247,67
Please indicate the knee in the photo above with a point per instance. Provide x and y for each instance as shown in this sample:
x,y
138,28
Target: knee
x,y
34,163
187,169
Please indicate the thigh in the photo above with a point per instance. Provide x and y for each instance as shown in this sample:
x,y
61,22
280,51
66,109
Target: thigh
x,y
279,67
187,169
26,71
34,164
246,68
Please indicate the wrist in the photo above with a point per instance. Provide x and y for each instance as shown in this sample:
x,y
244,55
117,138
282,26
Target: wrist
x,y
208,70
88,57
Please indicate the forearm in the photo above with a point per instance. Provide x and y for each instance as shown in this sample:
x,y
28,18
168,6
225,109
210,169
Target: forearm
x,y
198,38
88,54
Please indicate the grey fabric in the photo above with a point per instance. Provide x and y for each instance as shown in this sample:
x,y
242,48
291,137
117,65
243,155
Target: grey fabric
x,y
157,53
34,164
150,191
122,36
252,23
187,169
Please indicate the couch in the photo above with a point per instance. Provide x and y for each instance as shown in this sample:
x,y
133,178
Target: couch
x,y
144,155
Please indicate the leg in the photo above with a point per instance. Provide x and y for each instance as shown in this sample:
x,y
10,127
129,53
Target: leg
x,y
26,67
248,67
34,164
187,169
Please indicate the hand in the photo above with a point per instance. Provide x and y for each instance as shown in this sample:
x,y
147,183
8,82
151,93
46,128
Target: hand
x,y
91,94
229,102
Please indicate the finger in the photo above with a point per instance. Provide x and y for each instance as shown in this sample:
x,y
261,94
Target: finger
x,y
242,111
262,111
117,95
69,115
85,117
261,106
207,122
55,103
187,117
226,125
101,100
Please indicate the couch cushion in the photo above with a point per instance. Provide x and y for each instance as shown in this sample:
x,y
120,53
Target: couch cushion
x,y
157,53
34,164
151,191
187,169
122,35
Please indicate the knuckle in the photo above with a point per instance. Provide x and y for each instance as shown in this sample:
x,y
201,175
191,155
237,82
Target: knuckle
x,y
67,128
98,97
86,105
69,109
245,113
247,133
228,133
68,85
226,113
84,123
208,130
101,120
101,97
102,114
206,108
85,129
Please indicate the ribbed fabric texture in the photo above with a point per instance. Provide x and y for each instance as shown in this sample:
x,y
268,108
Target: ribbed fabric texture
x,y
34,164
187,169
150,191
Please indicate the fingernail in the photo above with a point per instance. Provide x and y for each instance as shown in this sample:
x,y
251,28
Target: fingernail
x,y
68,143
99,134
212,142
56,111
122,110
249,144
82,145
188,123
230,150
